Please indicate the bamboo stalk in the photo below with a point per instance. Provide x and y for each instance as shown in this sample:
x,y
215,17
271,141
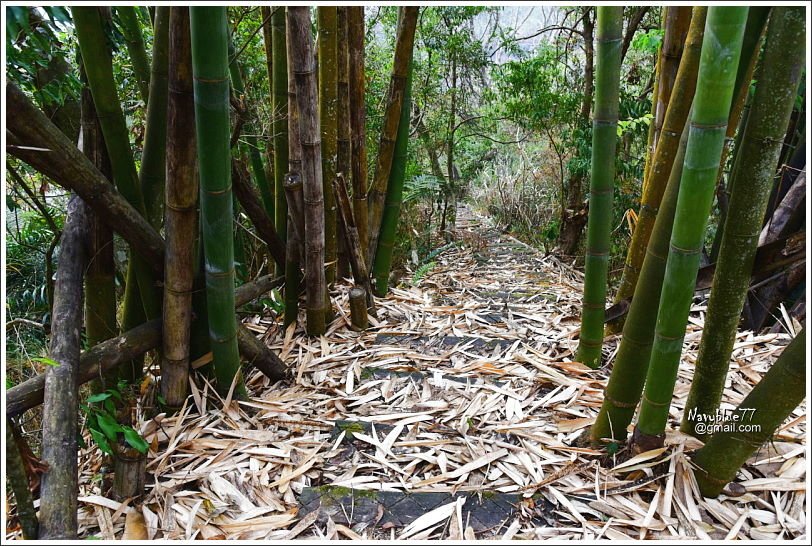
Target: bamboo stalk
x,y
181,212
327,23
30,132
209,31
677,24
304,72
60,482
152,175
768,405
344,143
279,102
678,106
720,55
293,252
604,141
779,76
135,47
354,246
394,197
404,46
357,89
18,480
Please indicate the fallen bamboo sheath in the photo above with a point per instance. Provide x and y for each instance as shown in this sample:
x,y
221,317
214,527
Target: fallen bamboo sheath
x,y
358,309
113,352
356,252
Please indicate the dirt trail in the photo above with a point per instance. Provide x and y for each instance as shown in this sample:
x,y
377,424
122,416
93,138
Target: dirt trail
x,y
453,416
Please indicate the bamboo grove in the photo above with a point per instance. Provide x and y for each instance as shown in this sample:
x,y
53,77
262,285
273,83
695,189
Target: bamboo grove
x,y
326,211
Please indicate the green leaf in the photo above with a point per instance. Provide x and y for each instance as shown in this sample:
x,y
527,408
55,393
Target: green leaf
x,y
135,440
101,441
100,397
109,426
47,361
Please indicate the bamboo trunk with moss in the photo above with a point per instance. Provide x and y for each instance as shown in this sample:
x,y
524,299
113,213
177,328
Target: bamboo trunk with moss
x,y
209,32
304,74
404,46
780,73
604,141
327,24
721,48
181,213
676,115
60,482
358,167
279,103
135,47
394,197
759,415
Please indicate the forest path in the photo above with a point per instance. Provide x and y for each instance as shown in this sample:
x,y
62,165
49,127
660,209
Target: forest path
x,y
453,416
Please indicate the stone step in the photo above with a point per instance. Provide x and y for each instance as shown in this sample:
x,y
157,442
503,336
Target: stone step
x,y
486,512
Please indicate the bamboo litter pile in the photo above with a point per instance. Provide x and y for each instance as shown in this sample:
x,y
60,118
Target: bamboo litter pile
x,y
499,417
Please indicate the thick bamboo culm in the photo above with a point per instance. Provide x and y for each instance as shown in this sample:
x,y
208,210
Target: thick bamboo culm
x,y
304,73
181,213
677,23
18,480
676,115
709,118
209,31
358,149
294,197
327,25
344,147
358,309
601,190
354,246
68,167
60,482
293,254
779,75
768,405
404,46
279,103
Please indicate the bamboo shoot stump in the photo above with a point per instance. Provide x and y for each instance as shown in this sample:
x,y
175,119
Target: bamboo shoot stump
x,y
358,309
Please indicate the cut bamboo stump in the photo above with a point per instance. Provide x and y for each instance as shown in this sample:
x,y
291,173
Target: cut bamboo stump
x,y
130,476
358,309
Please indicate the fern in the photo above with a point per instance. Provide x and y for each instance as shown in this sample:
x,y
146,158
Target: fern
x,y
422,271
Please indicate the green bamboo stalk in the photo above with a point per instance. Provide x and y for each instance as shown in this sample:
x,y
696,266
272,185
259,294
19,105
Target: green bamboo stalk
x,y
780,73
209,31
604,141
250,146
394,196
676,115
98,65
279,102
135,46
651,144
355,37
304,73
152,175
404,46
721,47
181,214
18,480
327,22
768,405
622,393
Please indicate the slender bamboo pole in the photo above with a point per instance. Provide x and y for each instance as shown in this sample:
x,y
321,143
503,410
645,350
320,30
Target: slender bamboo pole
x,y
604,141
721,47
356,250
293,251
181,212
344,142
135,47
394,197
327,23
758,416
18,480
279,102
355,35
152,175
677,23
304,73
780,74
60,482
404,46
209,31
678,106
651,143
